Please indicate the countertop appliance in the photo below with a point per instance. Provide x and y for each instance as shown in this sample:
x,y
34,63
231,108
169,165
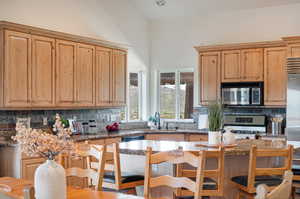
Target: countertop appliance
x,y
246,126
293,100
242,94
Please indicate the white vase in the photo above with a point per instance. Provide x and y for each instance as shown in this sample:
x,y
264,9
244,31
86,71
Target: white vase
x,y
214,137
50,181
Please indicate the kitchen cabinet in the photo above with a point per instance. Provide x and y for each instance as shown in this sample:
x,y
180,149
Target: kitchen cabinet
x,y
103,76
275,80
242,65
65,73
56,70
43,72
231,66
17,69
119,76
252,65
29,166
209,73
197,138
167,137
85,75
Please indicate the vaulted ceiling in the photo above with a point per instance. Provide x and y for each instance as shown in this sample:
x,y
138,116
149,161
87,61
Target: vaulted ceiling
x,y
180,8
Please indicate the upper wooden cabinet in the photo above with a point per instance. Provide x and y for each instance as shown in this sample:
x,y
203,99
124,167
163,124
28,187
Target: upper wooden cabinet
x,y
252,68
17,69
231,66
43,72
65,73
103,76
85,75
242,65
209,73
275,80
245,62
119,83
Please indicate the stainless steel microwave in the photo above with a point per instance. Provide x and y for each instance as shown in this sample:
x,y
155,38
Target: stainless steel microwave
x,y
242,94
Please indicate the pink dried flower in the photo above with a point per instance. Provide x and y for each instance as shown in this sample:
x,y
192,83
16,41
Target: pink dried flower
x,y
35,142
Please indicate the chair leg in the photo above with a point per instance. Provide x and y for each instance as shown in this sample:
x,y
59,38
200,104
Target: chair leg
x,y
293,192
238,196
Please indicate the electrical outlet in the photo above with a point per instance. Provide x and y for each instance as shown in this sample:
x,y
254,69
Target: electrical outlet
x,y
45,121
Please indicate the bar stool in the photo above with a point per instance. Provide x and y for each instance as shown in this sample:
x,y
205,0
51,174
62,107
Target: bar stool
x,y
197,187
113,178
271,177
213,184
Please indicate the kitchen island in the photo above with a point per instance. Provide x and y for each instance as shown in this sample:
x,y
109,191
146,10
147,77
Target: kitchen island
x,y
236,160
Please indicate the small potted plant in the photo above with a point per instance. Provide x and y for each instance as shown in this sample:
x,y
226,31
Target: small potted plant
x,y
215,120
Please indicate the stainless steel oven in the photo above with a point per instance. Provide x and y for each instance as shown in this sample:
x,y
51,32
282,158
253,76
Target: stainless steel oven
x,y
242,94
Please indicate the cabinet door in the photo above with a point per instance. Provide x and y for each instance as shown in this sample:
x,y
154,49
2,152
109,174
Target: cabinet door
x,y
275,76
293,50
252,68
231,66
85,76
119,76
17,69
43,72
65,73
209,76
103,76
29,166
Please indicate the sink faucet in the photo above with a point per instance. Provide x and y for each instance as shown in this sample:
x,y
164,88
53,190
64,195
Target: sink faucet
x,y
157,118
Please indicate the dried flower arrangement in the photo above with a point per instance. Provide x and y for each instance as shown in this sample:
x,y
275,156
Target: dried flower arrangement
x,y
36,142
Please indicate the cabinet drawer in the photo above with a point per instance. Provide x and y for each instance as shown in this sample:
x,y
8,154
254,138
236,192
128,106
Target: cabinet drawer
x,y
112,140
169,137
195,138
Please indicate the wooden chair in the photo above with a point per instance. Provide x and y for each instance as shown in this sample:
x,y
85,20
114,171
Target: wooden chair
x,y
213,184
272,177
175,157
296,172
113,178
95,174
283,191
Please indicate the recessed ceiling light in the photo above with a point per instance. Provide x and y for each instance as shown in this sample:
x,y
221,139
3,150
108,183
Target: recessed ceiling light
x,y
161,2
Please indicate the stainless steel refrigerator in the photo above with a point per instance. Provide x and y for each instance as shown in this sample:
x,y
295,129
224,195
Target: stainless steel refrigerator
x,y
293,100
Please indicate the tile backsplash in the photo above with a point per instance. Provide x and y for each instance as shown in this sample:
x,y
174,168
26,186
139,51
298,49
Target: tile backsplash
x,y
101,117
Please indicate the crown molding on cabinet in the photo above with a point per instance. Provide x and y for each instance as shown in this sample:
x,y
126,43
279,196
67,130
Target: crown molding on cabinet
x,y
239,46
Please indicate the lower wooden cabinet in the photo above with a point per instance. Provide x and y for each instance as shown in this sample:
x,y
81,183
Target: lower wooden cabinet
x,y
29,166
167,137
197,138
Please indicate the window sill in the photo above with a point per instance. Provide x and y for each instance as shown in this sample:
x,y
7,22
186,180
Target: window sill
x,y
179,121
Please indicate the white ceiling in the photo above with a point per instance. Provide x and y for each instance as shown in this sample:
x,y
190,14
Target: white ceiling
x,y
180,8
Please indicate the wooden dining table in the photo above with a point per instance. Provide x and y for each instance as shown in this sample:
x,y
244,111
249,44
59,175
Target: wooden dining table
x,y
12,188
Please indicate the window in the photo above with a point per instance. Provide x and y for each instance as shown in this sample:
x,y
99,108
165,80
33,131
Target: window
x,y
176,94
134,95
134,108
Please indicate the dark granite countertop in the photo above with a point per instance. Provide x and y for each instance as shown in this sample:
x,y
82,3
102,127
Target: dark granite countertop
x,y
121,133
242,147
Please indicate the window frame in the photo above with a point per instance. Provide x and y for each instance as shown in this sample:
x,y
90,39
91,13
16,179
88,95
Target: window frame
x,y
177,86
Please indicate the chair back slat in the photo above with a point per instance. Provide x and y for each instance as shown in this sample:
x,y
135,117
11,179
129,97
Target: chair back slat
x,y
173,182
174,157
